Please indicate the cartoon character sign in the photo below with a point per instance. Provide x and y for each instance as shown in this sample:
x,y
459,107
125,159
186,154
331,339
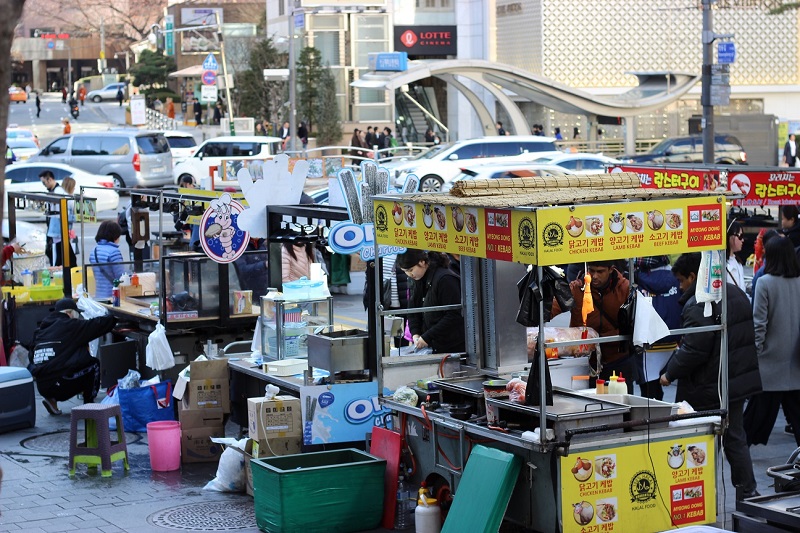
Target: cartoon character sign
x,y
222,240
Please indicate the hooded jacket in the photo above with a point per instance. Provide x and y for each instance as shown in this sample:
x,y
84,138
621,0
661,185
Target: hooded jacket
x,y
662,285
695,364
442,330
61,344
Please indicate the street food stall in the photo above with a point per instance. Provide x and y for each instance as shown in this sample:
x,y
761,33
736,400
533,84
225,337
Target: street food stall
x,y
589,462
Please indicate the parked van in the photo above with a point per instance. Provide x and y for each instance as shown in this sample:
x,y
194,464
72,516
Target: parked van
x,y
442,163
130,157
212,152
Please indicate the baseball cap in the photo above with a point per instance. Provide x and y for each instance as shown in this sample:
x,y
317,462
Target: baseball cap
x,y
66,303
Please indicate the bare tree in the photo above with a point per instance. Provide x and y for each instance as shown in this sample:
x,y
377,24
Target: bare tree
x,y
123,21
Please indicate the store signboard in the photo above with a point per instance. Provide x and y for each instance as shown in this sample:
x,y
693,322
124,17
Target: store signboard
x,y
660,177
426,40
778,187
556,235
640,487
632,229
86,210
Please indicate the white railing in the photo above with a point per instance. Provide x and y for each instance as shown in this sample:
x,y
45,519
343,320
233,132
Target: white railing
x,y
159,121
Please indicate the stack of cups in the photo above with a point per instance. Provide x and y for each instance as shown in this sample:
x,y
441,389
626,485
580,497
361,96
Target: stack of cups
x,y
494,388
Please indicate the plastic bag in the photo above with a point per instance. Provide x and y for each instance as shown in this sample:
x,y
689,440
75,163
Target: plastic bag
x,y
111,399
553,334
19,356
130,381
516,390
89,308
230,472
709,279
406,395
143,405
158,353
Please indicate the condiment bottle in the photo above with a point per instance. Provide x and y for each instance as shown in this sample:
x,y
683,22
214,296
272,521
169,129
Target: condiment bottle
x,y
115,295
45,278
601,386
612,384
622,387
135,279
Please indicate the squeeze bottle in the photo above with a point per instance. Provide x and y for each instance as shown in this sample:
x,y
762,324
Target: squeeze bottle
x,y
622,387
612,384
601,386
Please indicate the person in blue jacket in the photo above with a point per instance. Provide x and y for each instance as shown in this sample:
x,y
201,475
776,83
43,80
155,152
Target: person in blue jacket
x,y
654,277
107,257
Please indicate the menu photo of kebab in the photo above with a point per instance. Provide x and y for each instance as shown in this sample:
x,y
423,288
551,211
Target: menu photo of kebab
x,y
655,220
697,454
674,219
410,215
472,220
605,467
440,217
606,510
594,226
634,222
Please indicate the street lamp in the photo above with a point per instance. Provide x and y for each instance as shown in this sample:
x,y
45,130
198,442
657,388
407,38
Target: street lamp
x,y
292,77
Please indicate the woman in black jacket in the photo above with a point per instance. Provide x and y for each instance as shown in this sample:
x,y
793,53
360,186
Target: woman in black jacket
x,y
433,284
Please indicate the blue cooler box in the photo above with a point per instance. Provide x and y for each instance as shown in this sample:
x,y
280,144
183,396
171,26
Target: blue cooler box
x,y
17,399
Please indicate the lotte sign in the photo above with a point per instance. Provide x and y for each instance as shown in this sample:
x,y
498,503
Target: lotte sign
x,y
426,40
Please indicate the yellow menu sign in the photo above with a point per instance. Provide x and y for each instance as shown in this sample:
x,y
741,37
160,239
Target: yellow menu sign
x,y
629,489
631,229
555,235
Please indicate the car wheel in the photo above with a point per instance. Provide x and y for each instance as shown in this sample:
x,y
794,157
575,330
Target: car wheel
x,y
96,99
119,183
431,183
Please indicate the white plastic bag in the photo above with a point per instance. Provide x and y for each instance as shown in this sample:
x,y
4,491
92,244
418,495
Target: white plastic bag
x,y
709,279
89,308
159,354
230,472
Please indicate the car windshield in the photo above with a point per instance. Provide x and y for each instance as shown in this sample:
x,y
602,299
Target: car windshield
x,y
543,159
181,142
13,134
439,148
662,147
152,144
21,143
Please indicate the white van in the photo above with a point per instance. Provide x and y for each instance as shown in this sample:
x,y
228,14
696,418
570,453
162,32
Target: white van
x,y
442,163
213,151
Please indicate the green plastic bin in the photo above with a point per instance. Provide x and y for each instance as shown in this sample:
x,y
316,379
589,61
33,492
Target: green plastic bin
x,y
320,492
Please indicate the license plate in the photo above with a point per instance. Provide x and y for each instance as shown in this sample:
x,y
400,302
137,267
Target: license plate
x,y
158,170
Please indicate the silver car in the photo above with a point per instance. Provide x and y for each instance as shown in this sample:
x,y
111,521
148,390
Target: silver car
x,y
109,92
130,157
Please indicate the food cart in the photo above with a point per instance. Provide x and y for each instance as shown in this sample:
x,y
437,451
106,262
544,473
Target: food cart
x,y
605,465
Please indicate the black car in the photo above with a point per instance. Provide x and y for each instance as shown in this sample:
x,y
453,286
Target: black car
x,y
689,149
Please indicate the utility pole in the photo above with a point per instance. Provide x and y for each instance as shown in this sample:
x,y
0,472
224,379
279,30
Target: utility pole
x,y
705,95
225,74
292,80
102,62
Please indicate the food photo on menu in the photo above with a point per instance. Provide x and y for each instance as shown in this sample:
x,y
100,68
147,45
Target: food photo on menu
x,y
458,218
427,215
594,226
655,220
605,467
635,222
616,223
606,510
472,220
410,215
575,226
674,219
440,216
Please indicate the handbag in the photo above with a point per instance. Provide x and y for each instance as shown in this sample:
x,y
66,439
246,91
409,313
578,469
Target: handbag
x,y
145,404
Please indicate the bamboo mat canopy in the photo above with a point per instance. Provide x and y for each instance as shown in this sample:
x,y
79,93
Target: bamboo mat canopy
x,y
540,191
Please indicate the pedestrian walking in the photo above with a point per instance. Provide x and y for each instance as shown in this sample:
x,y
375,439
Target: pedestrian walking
x,y
198,112
790,152
63,95
82,94
302,134
67,128
120,96
38,105
170,108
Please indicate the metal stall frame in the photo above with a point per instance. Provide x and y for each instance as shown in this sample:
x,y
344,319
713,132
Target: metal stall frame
x,y
562,448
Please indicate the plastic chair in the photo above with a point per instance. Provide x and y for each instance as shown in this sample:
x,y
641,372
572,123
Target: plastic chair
x,y
98,449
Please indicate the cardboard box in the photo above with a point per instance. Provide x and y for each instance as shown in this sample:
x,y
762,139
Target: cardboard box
x,y
200,418
196,445
279,417
242,303
255,449
209,385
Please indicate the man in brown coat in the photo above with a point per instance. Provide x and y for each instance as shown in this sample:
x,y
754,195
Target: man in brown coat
x,y
609,291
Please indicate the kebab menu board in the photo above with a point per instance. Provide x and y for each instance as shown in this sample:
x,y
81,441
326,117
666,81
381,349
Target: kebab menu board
x,y
632,229
673,178
551,236
640,488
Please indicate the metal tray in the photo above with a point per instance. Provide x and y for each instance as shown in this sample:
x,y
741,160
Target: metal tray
x,y
467,385
569,412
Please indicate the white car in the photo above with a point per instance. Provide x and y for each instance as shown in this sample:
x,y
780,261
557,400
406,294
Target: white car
x,y
214,151
181,144
32,236
24,177
444,162
23,148
109,92
505,170
579,163
15,132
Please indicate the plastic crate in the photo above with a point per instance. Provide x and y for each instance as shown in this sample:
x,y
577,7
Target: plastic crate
x,y
339,490
51,292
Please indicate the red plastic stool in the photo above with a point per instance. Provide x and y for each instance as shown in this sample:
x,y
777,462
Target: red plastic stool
x,y
98,449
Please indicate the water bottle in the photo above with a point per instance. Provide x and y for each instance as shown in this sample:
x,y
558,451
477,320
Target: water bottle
x,y
402,513
45,278
27,278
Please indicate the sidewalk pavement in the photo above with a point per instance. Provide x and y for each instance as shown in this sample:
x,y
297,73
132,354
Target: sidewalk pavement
x,y
37,494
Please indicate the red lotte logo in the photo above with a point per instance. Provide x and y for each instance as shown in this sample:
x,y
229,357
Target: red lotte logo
x,y
409,38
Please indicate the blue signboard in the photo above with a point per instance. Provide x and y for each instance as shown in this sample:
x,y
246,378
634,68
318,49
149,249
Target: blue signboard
x,y
726,53
342,412
388,61
299,20
210,63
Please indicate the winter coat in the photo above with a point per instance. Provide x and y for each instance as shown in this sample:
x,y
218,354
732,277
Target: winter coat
x,y
104,276
252,269
443,331
777,332
609,299
695,364
793,233
294,268
61,345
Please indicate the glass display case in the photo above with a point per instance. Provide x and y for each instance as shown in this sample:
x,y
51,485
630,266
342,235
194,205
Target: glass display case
x,y
193,288
285,325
